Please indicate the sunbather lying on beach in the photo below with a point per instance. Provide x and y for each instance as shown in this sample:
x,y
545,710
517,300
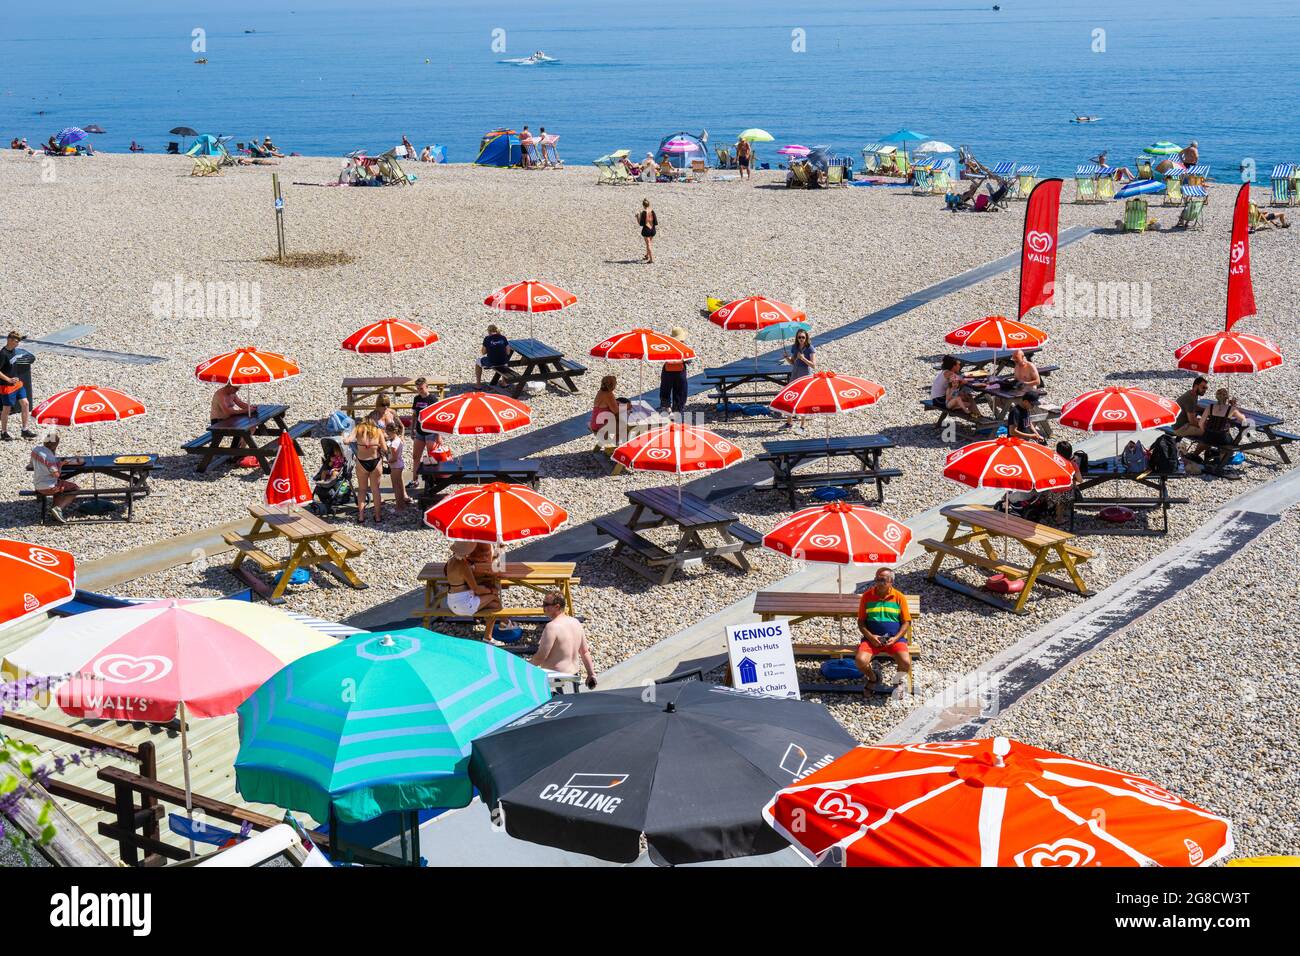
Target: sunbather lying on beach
x,y
1122,174
1267,220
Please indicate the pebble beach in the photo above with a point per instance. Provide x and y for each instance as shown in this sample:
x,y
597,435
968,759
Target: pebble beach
x,y
1207,705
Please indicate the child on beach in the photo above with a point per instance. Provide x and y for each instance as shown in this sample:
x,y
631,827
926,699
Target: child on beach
x,y
396,462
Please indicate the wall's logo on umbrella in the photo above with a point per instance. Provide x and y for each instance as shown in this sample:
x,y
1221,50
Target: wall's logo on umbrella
x,y
541,299
893,533
1231,357
1114,414
1152,791
249,370
1238,250
659,453
723,313
30,602
282,485
839,806
42,557
1007,471
376,340
93,407
476,521
444,416
824,540
546,509
1064,852
1039,242
128,669
1195,855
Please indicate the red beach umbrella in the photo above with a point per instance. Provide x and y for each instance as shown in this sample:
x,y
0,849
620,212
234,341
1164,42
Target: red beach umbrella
x,y
1229,352
1008,462
826,393
87,405
475,413
389,337
246,366
36,579
997,332
754,312
840,533
678,448
530,296
1118,409
990,802
645,345
496,513
287,483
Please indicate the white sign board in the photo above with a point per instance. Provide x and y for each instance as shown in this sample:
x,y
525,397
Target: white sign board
x,y
762,658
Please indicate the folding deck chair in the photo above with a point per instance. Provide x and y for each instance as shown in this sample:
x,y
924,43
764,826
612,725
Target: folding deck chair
x,y
1006,172
1196,175
1284,183
923,178
1135,215
1173,188
1026,179
1193,214
1085,183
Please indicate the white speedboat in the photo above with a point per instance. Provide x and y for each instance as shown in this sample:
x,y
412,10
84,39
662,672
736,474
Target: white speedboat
x,y
537,57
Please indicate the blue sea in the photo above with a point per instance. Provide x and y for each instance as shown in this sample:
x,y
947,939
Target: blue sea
x,y
328,77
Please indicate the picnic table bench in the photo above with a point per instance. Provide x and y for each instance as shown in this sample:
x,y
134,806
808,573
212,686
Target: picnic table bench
x,y
471,470
693,516
242,433
1104,471
993,399
638,421
801,606
1050,548
131,470
313,543
363,393
726,381
978,360
532,360
1270,425
785,456
536,576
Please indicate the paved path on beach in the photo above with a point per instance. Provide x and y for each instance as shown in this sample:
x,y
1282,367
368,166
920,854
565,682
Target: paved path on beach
x,y
960,710
61,342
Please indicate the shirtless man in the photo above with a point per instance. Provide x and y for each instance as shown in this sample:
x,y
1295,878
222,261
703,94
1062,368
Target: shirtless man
x,y
1026,372
563,641
226,402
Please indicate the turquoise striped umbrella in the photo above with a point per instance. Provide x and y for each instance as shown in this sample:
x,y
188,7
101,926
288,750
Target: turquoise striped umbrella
x,y
380,722
1163,148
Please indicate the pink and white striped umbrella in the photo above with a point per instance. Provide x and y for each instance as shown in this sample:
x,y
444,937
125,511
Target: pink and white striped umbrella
x,y
794,150
87,405
840,533
827,393
1008,462
1118,409
1225,352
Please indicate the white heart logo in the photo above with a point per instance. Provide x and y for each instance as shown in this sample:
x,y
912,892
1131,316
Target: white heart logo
x,y
42,557
93,407
607,344
541,299
961,333
658,454
376,340
1039,242
476,521
659,347
722,446
1232,357
444,417
824,540
1238,250
250,370
893,533
30,603
1151,790
545,510
1017,336
1114,414
769,316
851,393
839,806
724,312
128,669
1064,852
1007,471
1195,855
790,396
282,485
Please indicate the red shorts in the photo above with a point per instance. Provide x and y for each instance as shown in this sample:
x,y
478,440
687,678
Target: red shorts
x,y
898,647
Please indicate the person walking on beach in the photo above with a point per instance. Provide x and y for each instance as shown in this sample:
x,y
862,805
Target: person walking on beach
x,y
744,158
648,220
672,380
13,394
564,642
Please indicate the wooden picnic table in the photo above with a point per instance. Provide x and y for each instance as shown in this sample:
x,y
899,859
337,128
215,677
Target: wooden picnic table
x,y
472,470
532,360
630,425
1050,548
313,543
132,471
726,380
363,393
242,433
1102,472
978,360
536,576
1271,426
693,516
786,456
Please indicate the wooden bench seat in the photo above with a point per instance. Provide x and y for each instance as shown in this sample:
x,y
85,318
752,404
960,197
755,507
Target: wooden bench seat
x,y
801,606
647,549
746,534
197,445
351,547
252,552
969,557
128,495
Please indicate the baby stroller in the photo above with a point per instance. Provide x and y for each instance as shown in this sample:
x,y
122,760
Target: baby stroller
x,y
332,488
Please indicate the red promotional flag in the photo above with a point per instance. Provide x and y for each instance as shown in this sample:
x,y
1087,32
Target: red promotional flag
x,y
1038,248
1241,294
287,484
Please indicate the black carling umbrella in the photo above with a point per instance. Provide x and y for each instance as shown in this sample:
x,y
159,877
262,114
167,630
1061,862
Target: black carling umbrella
x,y
690,767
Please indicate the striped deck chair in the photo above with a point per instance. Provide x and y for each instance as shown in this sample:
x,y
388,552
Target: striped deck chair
x,y
1143,166
1105,184
606,167
1085,183
1173,188
940,183
1026,180
1135,215
1197,175
1193,214
923,178
1283,181
871,158
1006,172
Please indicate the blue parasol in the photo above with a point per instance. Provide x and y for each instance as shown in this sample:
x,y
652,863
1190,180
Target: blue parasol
x,y
782,331
1140,187
71,135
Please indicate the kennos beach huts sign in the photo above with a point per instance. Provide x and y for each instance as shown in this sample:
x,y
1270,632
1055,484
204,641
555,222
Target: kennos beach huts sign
x,y
761,656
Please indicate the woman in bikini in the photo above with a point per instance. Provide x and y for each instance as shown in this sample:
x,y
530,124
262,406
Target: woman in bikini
x,y
371,452
605,412
649,224
468,595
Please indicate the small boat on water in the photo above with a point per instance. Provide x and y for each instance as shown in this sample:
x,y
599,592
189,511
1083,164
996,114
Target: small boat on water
x,y
1086,119
537,57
